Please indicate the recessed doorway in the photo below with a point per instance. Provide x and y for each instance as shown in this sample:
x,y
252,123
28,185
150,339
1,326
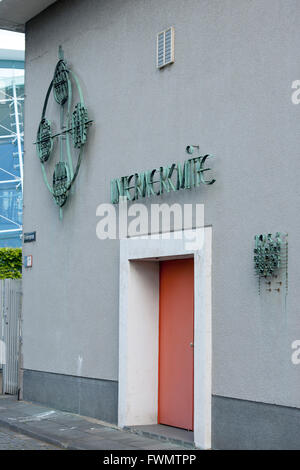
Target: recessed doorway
x,y
176,344
141,400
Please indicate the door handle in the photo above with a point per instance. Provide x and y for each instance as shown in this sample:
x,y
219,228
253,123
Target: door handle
x,y
192,345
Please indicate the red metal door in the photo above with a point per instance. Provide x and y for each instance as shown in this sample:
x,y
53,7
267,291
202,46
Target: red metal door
x,y
176,338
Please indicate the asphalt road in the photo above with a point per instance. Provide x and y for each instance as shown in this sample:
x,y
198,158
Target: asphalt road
x,y
10,440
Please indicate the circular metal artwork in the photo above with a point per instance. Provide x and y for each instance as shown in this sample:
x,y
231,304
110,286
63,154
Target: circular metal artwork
x,y
61,182
73,123
61,83
44,140
79,125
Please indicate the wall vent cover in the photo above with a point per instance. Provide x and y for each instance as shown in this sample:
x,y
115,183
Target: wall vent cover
x,y
165,47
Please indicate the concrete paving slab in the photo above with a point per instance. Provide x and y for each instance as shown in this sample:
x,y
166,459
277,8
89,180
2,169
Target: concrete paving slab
x,y
10,440
70,431
103,444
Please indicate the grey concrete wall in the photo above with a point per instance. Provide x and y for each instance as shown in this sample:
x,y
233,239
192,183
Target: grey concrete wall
x,y
229,90
246,425
80,395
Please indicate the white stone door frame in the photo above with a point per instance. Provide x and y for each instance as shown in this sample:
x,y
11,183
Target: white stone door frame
x,y
138,327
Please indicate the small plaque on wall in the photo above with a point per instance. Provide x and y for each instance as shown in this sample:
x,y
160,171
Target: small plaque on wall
x,y
29,237
28,261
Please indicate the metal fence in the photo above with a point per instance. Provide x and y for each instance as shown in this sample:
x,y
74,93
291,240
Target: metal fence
x,y
10,315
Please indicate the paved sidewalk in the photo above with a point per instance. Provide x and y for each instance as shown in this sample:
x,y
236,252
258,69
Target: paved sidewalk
x,y
11,440
70,431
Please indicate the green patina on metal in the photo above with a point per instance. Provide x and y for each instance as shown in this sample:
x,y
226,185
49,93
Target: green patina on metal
x,y
45,141
74,124
270,255
161,180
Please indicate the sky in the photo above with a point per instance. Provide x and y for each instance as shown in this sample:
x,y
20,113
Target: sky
x,y
11,40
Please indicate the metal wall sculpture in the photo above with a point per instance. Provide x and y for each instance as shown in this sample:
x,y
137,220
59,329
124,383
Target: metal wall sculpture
x,y
271,258
74,123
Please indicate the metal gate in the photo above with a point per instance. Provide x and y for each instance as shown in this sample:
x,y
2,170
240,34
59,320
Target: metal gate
x,y
10,298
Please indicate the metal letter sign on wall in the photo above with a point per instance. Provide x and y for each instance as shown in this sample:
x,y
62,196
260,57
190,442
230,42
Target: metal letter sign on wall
x,y
161,180
270,256
74,125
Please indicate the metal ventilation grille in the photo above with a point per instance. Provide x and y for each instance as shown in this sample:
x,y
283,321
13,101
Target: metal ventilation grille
x,y
165,47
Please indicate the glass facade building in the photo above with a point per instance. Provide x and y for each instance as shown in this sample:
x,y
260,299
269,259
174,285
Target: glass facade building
x,y
11,152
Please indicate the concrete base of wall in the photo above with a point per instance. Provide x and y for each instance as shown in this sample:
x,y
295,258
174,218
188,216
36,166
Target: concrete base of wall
x,y
88,397
236,424
241,424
